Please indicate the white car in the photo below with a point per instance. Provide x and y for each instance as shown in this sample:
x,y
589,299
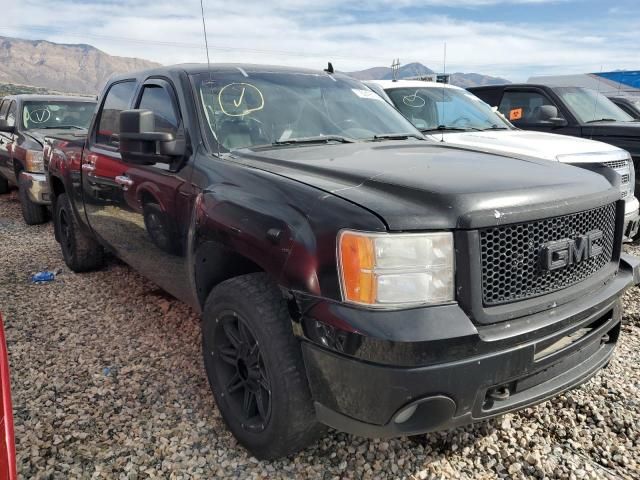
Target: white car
x,y
450,114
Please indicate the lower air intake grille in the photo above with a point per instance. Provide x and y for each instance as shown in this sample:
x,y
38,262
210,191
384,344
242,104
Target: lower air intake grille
x,y
511,267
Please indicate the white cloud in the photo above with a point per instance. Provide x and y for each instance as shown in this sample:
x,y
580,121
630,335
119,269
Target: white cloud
x,y
297,32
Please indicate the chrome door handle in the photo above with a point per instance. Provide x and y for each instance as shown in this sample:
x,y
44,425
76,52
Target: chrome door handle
x,y
87,167
124,181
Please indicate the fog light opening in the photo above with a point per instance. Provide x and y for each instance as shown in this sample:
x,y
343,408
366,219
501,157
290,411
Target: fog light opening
x,y
405,414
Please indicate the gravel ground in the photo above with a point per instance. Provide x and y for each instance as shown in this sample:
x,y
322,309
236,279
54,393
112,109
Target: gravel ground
x,y
108,383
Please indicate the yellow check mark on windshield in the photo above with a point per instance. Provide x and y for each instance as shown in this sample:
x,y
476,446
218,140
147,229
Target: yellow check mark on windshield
x,y
239,101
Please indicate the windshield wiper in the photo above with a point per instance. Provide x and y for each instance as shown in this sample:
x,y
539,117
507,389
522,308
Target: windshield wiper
x,y
446,128
395,136
493,127
318,139
602,120
52,127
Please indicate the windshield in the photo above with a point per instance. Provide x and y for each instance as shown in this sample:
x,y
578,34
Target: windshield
x,y
253,109
56,114
431,108
591,106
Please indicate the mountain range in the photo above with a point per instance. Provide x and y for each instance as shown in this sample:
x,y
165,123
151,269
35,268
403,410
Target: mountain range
x,y
417,69
39,65
61,67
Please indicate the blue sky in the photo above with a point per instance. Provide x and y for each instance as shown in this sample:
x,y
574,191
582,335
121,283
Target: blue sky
x,y
508,38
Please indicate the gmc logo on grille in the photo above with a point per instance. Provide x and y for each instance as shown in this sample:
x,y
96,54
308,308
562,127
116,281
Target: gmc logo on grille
x,y
562,253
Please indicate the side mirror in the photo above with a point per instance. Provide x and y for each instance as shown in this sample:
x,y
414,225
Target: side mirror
x,y
6,128
558,122
548,114
141,144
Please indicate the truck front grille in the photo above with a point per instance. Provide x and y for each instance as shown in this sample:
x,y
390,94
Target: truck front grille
x,y
510,254
617,164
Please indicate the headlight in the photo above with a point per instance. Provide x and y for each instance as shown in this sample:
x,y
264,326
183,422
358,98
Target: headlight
x,y
34,162
632,177
396,270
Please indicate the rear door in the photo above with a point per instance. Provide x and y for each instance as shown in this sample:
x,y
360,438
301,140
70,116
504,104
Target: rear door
x,y
5,141
101,162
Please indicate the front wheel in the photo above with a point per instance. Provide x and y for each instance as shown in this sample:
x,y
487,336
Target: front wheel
x,y
255,368
33,213
4,185
81,252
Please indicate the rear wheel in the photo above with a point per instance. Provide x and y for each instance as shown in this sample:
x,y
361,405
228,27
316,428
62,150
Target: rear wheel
x,y
255,368
4,185
81,252
33,213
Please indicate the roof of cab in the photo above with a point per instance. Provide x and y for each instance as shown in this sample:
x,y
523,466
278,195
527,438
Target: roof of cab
x,y
49,98
391,84
197,68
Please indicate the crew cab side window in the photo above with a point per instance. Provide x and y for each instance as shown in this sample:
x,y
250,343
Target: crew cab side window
x,y
3,109
12,114
157,99
524,108
118,98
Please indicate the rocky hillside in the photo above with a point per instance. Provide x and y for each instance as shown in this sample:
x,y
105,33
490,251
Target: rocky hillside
x,y
416,69
385,73
60,67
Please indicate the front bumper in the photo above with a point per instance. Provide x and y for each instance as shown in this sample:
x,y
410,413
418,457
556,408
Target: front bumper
x,y
365,387
38,188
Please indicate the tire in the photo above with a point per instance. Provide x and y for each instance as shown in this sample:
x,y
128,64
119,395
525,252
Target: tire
x,y
81,252
4,185
159,228
32,213
278,419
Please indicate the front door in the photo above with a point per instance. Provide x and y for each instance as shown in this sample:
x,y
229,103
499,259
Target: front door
x,y
526,109
141,211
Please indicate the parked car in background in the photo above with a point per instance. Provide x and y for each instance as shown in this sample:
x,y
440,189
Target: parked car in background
x,y
456,117
7,441
573,111
629,104
349,272
24,120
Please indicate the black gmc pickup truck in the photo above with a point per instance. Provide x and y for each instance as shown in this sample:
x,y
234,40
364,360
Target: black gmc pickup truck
x,y
349,272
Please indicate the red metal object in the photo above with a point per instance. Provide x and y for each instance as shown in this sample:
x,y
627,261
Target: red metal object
x,y
7,442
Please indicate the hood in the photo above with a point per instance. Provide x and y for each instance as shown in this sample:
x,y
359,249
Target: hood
x,y
541,145
420,186
36,135
39,135
612,129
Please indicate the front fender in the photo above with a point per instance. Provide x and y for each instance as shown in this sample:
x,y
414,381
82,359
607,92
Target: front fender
x,y
280,226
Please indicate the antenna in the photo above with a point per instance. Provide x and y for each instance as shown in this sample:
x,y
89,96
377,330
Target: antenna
x,y
329,68
395,66
444,74
595,103
206,46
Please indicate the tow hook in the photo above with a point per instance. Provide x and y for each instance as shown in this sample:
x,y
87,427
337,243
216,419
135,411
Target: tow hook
x,y
605,338
499,393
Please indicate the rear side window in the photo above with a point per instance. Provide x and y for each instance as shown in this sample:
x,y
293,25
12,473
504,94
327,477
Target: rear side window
x,y
159,101
12,114
118,99
3,109
523,107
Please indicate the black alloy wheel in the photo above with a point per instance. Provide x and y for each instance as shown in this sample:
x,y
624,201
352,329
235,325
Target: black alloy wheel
x,y
240,366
